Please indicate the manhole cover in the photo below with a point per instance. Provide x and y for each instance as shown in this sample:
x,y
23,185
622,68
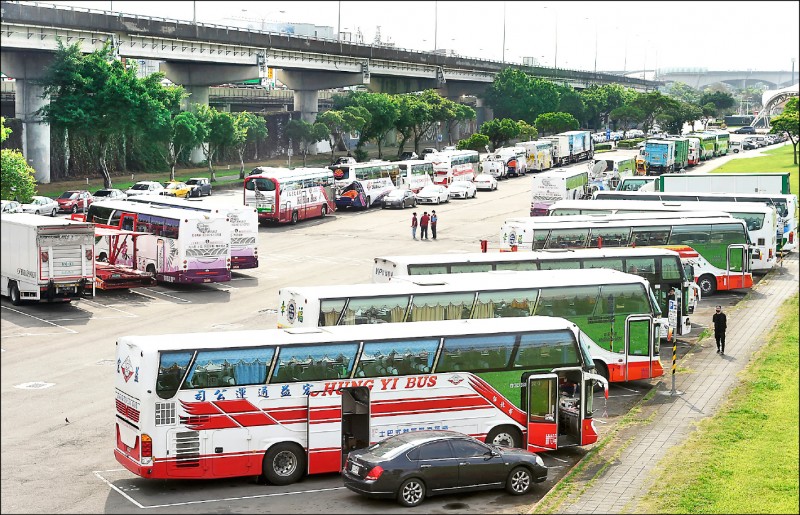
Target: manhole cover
x,y
36,385
226,326
105,362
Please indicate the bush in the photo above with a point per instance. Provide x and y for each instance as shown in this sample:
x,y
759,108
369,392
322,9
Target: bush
x,y
602,146
629,143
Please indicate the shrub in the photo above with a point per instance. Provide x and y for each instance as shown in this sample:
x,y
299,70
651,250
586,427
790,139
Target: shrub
x,y
602,146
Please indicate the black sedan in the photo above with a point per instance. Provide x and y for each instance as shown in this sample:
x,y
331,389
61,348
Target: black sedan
x,y
411,466
400,199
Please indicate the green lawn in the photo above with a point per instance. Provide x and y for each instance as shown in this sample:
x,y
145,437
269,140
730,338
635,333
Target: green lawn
x,y
777,160
744,459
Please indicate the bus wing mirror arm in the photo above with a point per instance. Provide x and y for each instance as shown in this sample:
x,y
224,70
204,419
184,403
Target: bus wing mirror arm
x,y
601,380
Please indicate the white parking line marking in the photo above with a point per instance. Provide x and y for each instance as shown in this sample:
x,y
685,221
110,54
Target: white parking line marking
x,y
206,501
167,295
629,389
39,319
109,306
558,459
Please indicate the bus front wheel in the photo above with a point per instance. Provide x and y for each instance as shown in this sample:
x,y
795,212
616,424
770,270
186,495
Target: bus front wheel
x,y
284,463
294,217
707,284
506,436
324,212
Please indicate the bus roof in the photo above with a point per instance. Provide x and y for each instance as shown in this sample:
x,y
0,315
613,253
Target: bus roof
x,y
542,255
286,173
151,209
561,172
187,203
310,335
545,222
44,222
658,194
664,205
654,215
494,280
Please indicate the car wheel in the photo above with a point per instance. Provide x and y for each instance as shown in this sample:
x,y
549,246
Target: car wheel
x,y
13,292
151,269
505,436
707,284
519,482
53,212
284,463
294,217
411,493
324,211
74,209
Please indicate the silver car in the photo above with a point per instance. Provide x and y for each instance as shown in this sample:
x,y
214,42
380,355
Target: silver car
x,y
41,206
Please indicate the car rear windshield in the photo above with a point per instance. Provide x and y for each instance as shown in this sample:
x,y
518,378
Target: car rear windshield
x,y
391,447
69,195
140,187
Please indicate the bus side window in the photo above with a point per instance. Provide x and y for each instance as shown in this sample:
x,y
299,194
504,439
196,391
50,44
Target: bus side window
x,y
404,357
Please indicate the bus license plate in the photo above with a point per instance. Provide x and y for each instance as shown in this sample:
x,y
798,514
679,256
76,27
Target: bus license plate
x,y
206,280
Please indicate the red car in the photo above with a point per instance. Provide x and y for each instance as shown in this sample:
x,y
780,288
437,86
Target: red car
x,y
74,200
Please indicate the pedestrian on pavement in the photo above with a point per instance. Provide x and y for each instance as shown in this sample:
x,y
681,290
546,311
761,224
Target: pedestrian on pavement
x,y
414,225
434,219
423,226
720,324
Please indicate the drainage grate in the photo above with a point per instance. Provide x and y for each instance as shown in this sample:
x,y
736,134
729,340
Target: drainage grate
x,y
36,385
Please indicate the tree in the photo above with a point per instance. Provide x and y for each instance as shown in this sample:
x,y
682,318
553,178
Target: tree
x,y
477,142
788,121
652,105
526,131
184,132
570,101
383,110
339,122
685,93
722,101
219,133
247,128
455,114
556,122
599,101
100,99
499,131
675,116
514,94
16,176
626,115
306,134
411,111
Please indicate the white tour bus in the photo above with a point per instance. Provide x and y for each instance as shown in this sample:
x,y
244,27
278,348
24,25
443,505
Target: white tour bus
x,y
617,311
282,195
414,174
177,245
761,219
663,268
363,185
284,403
784,204
557,184
454,165
243,220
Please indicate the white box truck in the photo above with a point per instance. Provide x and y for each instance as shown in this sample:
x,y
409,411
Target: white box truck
x,y
46,259
571,147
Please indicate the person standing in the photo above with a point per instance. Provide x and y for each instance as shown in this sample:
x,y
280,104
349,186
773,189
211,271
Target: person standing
x,y
434,219
423,226
720,324
414,225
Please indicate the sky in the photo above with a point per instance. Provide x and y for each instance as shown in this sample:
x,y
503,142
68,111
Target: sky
x,y
602,35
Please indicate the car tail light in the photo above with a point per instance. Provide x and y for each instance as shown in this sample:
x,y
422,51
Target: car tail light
x,y
374,474
147,446
45,256
791,237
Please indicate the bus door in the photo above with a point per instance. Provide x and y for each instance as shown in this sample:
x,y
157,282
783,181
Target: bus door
x,y
737,252
324,432
160,256
542,404
639,343
355,419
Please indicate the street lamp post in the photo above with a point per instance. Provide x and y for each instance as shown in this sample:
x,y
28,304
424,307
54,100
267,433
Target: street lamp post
x,y
435,25
504,31
339,22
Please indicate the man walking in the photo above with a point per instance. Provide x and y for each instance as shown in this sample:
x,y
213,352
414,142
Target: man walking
x,y
423,226
414,225
720,324
434,219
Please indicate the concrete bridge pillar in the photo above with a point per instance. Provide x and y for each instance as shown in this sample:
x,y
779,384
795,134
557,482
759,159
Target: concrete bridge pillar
x,y
27,68
198,95
482,112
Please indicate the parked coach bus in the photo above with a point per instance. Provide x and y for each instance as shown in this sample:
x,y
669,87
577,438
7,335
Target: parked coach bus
x,y
363,185
454,165
243,221
616,310
281,195
662,268
177,245
283,403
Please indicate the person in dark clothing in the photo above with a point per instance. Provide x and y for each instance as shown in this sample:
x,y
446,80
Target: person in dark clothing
x,y
720,324
423,226
434,219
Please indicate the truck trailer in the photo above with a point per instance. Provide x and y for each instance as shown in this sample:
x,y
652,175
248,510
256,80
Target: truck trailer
x,y
659,156
571,147
46,259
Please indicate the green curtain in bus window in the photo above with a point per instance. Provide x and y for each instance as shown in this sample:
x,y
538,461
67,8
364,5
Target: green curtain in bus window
x,y
639,338
470,267
426,269
505,304
171,368
546,351
375,310
441,306
646,236
540,238
314,362
612,237
568,238
559,265
330,311
517,265
475,354
614,264
397,357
